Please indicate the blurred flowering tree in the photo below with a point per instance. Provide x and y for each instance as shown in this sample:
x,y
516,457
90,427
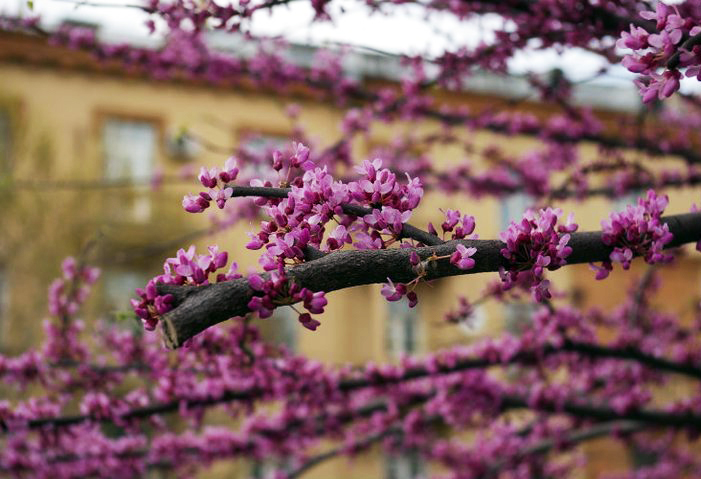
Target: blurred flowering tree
x,y
102,407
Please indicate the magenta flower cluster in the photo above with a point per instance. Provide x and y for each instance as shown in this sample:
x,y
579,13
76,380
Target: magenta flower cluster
x,y
316,199
458,225
186,268
300,221
68,293
653,51
395,292
462,257
534,244
215,181
636,231
277,290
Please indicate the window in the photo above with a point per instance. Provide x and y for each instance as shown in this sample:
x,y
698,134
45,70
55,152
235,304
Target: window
x,y
476,324
4,299
630,198
517,315
120,286
130,153
281,328
6,145
265,468
512,208
407,465
256,153
403,329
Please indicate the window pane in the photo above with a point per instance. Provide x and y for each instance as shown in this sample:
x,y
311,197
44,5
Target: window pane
x,y
630,198
281,328
4,300
120,286
407,465
403,329
512,208
130,148
5,142
260,144
130,153
519,316
256,153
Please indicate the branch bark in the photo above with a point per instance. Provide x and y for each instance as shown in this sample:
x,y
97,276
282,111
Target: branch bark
x,y
196,308
350,385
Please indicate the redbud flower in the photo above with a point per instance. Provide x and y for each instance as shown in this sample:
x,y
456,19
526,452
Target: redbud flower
x,y
208,178
230,171
195,204
461,257
534,245
308,322
393,292
186,268
636,231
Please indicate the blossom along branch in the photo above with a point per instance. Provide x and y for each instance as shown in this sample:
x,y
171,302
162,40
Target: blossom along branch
x,y
575,437
543,447
269,433
407,230
584,411
378,380
196,308
299,218
674,46
689,44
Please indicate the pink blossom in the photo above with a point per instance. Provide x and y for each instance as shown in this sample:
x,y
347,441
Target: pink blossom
x,y
461,257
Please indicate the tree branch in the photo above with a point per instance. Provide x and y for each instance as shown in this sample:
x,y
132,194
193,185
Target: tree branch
x,y
199,307
603,413
418,372
571,439
341,449
408,231
690,43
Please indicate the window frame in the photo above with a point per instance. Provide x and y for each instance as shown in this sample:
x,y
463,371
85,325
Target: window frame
x,y
395,329
16,114
102,117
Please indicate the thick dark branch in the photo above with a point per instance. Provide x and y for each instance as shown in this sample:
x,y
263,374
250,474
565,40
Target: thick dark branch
x,y
690,43
199,307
